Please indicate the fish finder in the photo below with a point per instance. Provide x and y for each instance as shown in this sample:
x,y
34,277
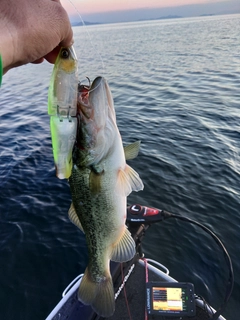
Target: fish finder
x,y
170,299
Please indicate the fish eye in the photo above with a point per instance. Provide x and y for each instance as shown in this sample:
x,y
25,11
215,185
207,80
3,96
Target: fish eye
x,y
65,53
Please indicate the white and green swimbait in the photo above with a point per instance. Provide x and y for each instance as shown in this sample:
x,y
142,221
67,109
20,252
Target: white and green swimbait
x,y
62,108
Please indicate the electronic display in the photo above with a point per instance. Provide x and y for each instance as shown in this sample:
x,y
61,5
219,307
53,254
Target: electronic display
x,y
169,299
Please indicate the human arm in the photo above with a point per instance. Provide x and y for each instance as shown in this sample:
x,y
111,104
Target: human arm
x,y
31,31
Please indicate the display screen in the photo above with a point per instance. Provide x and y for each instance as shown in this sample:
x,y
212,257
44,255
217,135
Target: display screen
x,y
172,299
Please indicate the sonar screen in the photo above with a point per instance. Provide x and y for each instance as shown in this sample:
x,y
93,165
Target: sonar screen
x,y
170,298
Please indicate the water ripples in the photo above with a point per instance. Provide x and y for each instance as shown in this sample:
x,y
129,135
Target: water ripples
x,y
176,88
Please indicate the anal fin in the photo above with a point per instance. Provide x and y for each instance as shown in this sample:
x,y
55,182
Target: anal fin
x,y
125,248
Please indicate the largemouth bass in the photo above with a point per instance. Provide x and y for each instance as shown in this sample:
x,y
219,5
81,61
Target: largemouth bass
x,y
100,183
62,108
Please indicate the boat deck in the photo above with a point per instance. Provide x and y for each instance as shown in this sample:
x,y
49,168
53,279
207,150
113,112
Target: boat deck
x,y
135,292
131,299
135,301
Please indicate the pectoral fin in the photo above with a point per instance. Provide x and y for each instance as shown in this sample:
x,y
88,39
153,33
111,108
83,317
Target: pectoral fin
x,y
131,151
128,180
125,249
95,179
74,217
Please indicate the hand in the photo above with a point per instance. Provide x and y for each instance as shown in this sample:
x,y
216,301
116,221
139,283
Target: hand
x,y
32,30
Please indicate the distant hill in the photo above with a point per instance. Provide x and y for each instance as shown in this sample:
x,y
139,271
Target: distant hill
x,y
207,15
87,23
84,23
169,17
162,18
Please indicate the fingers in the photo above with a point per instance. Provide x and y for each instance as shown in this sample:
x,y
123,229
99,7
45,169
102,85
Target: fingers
x,y
40,60
59,32
52,56
60,23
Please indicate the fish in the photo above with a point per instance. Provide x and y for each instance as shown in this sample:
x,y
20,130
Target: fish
x,y
62,109
100,182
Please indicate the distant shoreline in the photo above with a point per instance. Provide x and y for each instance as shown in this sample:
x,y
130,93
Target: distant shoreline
x,y
88,23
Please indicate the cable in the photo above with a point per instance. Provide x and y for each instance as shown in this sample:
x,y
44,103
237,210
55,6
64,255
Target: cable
x,y
207,307
229,288
146,280
125,294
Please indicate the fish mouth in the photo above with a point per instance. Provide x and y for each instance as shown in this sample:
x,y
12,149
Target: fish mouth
x,y
85,93
96,118
83,105
94,100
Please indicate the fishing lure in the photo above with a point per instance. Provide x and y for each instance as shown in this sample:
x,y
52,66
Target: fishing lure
x,y
62,109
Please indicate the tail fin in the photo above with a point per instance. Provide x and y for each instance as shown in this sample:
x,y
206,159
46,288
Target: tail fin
x,y
100,295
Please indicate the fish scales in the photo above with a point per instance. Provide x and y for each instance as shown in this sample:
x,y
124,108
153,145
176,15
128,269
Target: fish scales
x,y
100,182
93,212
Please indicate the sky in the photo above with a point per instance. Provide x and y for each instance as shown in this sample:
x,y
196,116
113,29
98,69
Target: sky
x,y
95,6
131,10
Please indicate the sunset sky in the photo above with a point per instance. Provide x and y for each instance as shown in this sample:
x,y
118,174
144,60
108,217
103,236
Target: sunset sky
x,y
93,6
94,10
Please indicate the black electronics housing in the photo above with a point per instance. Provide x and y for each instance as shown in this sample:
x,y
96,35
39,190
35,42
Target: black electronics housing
x,y
170,299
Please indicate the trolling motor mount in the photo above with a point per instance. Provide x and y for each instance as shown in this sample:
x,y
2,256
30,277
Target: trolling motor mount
x,y
137,214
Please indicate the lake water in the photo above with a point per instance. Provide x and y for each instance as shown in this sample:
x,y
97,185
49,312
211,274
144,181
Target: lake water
x,y
176,87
